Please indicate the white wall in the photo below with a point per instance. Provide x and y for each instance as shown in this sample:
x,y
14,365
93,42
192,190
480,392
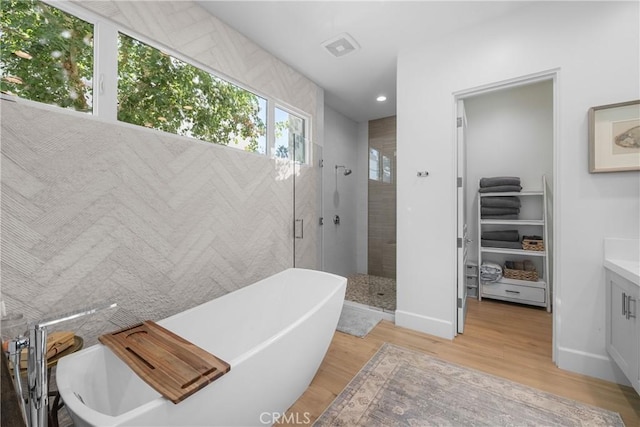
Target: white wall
x,y
595,47
340,148
509,133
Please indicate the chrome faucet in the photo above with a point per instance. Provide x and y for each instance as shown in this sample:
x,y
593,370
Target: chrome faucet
x,y
35,411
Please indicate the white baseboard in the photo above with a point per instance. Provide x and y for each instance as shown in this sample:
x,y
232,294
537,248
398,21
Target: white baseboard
x,y
594,365
427,325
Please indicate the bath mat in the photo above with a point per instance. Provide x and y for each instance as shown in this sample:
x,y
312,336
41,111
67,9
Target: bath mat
x,y
404,387
356,321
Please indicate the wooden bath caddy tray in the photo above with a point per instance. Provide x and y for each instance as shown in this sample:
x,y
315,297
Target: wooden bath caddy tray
x,y
170,364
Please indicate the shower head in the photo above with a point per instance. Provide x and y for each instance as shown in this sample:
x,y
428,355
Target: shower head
x,y
346,171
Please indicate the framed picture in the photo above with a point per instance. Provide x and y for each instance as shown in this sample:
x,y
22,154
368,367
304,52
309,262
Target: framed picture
x,y
614,137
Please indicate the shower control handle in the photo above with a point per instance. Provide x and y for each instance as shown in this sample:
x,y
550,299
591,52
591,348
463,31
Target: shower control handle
x,y
336,219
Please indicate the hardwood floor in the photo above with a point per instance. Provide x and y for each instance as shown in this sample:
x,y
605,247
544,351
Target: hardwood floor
x,y
507,340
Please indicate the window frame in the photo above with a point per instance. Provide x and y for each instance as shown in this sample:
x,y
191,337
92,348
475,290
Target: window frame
x,y
105,77
84,15
307,129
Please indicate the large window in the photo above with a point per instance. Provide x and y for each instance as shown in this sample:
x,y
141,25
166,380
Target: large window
x,y
159,91
46,55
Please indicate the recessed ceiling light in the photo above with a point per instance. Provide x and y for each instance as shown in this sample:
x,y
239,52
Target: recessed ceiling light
x,y
381,98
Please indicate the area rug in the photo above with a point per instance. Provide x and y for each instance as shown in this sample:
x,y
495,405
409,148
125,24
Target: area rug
x,y
404,387
358,322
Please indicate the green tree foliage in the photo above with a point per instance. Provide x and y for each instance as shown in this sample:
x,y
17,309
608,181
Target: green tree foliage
x,y
159,91
46,55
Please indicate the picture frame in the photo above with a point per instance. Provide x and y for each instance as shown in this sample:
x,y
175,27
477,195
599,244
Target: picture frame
x,y
614,137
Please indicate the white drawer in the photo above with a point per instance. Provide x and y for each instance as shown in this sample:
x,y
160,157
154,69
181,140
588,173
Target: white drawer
x,y
472,270
505,290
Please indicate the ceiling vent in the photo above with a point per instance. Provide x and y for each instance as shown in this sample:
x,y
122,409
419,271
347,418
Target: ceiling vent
x,y
341,45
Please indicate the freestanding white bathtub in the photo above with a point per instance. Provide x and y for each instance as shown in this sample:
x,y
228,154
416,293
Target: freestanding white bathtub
x,y
274,334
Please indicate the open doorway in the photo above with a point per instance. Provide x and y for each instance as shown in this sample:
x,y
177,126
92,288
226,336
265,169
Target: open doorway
x,y
509,132
377,288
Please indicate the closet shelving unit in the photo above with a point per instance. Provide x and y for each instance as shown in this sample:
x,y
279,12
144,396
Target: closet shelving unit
x,y
520,291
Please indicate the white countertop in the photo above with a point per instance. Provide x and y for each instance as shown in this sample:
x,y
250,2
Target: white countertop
x,y
622,256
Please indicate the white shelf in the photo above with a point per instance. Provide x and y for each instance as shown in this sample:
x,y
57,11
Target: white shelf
x,y
513,222
512,251
520,291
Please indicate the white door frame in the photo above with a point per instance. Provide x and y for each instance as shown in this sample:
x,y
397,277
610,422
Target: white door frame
x,y
554,76
462,236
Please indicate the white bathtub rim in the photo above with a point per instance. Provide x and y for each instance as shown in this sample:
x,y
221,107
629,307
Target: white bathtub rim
x,y
85,412
256,349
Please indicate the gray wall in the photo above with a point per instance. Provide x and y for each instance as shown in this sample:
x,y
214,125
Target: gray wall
x,y
382,202
341,196
362,197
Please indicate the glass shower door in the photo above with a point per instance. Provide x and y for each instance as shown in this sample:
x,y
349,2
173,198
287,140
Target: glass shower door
x,y
307,202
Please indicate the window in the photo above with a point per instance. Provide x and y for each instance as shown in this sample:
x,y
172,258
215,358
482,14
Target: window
x,y
386,169
380,166
374,164
159,91
46,55
290,136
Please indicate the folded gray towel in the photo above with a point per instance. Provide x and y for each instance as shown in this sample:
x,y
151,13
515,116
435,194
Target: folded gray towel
x,y
501,189
499,180
498,211
500,201
509,216
500,244
504,235
514,265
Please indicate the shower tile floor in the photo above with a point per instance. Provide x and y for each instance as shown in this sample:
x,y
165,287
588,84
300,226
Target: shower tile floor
x,y
373,291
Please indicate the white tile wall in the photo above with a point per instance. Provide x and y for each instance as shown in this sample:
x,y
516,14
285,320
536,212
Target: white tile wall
x,y
95,211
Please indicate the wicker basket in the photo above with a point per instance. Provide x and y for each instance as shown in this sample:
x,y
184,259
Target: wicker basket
x,y
532,245
531,276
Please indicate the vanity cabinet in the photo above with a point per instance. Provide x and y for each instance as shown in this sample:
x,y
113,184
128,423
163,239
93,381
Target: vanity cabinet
x,y
623,326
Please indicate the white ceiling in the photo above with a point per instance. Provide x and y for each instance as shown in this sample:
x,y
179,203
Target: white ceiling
x,y
294,31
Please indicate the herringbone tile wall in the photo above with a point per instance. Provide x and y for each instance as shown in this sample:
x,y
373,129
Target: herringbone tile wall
x,y
94,212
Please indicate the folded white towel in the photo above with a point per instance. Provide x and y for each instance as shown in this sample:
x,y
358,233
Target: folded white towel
x,y
490,267
490,272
